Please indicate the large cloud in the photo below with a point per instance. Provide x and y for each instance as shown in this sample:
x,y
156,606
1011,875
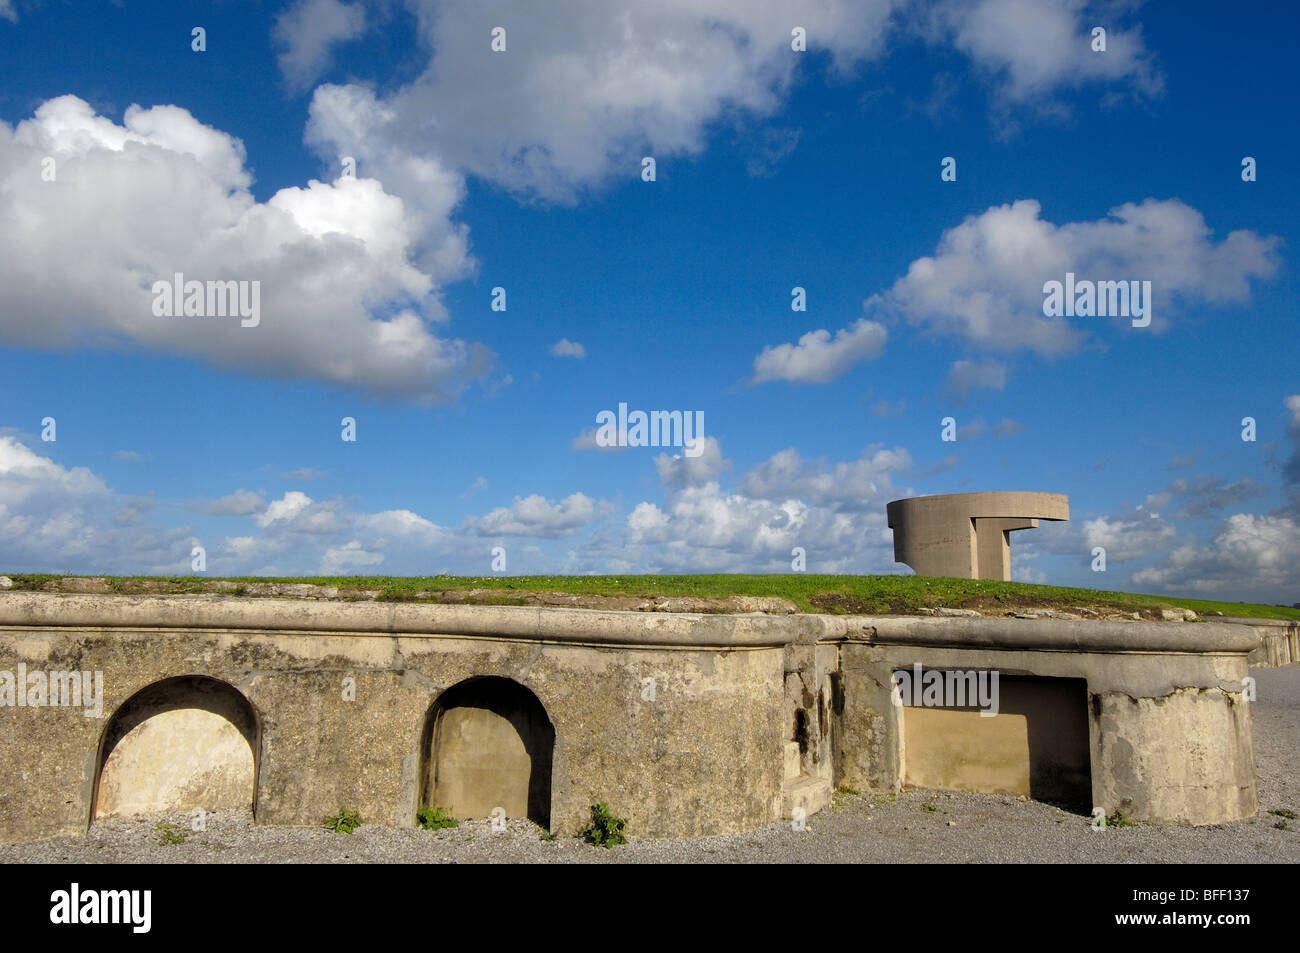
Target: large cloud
x,y
537,516
984,283
1203,494
25,475
678,470
709,529
845,486
1250,554
834,511
1134,536
341,300
583,89
54,518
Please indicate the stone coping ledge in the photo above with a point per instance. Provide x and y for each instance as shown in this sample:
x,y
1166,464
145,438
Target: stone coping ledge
x,y
687,630
1062,635
1255,620
398,619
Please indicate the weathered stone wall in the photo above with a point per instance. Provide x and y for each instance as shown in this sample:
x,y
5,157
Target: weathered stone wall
x,y
1279,642
1168,717
685,724
702,757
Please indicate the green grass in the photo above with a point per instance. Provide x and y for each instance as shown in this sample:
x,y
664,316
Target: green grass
x,y
434,818
812,593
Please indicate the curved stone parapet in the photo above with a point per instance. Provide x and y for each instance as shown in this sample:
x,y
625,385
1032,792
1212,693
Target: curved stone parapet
x,y
967,535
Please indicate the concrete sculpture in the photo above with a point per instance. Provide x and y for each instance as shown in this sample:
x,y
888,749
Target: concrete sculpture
x,y
967,535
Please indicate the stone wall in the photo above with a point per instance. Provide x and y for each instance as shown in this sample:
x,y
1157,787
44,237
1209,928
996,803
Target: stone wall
x,y
699,755
1279,642
1168,714
685,724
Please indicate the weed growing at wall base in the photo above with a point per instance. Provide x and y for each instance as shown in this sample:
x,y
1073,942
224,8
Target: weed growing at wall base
x,y
434,818
169,835
605,830
344,822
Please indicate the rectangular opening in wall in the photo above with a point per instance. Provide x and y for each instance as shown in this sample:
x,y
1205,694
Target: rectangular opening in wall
x,y
1036,744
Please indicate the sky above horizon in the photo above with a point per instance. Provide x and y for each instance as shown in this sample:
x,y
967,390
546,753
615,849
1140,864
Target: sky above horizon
x,y
128,156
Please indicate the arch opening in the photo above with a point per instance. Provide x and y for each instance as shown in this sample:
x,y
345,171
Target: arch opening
x,y
488,743
181,743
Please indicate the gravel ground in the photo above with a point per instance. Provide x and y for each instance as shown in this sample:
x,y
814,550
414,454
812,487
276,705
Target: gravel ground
x,y
961,828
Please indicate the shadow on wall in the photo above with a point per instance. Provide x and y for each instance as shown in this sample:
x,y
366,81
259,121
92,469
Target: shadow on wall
x,y
1037,745
178,744
487,744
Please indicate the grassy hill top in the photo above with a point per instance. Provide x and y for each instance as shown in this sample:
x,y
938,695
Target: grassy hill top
x,y
811,593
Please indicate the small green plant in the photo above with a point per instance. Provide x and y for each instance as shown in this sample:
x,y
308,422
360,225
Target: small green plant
x,y
548,836
1284,813
168,834
605,830
843,794
434,818
929,807
1282,826
344,822
1119,820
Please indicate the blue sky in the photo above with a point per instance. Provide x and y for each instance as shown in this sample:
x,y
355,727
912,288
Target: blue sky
x,y
521,169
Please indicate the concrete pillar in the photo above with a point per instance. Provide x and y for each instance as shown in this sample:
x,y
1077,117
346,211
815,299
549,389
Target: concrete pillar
x,y
993,546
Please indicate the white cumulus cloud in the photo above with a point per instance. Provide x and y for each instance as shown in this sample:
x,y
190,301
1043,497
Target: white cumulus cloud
x,y
984,283
818,357
342,300
537,516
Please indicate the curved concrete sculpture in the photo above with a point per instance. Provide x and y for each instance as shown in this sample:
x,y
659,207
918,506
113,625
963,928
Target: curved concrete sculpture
x,y
967,535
